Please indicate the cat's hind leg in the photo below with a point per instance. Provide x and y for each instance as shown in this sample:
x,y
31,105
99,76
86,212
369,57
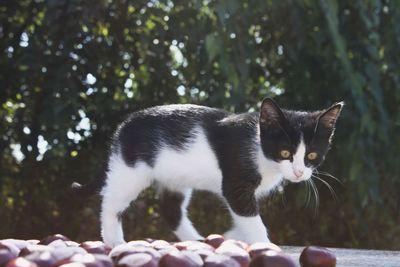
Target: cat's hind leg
x,y
123,185
173,207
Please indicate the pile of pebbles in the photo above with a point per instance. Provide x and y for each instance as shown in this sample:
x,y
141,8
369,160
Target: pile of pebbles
x,y
214,251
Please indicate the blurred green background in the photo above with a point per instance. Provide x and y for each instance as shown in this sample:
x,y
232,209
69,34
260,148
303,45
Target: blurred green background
x,y
70,71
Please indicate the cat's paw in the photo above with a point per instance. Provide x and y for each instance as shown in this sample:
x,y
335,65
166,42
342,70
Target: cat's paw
x,y
249,238
113,242
235,234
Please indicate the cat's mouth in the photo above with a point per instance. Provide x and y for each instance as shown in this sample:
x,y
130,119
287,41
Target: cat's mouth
x,y
299,178
295,179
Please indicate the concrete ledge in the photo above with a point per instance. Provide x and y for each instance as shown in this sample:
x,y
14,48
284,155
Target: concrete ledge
x,y
355,257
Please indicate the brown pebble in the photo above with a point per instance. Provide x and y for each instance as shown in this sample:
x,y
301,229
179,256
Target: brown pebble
x,y
135,250
234,251
317,257
47,240
193,246
5,256
237,243
104,259
181,259
260,247
138,260
31,248
95,247
219,260
20,262
41,258
214,240
160,244
142,243
272,259
87,260
4,244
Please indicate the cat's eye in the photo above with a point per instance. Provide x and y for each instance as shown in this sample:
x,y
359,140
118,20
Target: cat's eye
x,y
285,154
312,156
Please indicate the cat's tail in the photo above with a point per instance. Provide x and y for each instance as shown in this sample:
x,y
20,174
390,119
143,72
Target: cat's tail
x,y
94,186
89,189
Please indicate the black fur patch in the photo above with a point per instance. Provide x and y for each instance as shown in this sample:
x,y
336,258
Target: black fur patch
x,y
170,207
233,140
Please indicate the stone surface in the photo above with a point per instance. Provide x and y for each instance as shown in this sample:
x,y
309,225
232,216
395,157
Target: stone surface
x,y
189,253
355,257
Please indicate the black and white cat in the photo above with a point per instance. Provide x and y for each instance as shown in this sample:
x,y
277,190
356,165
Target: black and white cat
x,y
240,157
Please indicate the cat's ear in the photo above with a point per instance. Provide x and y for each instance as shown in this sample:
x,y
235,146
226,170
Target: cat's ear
x,y
328,117
270,112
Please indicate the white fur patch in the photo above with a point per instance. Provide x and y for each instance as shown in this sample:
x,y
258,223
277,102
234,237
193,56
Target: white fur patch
x,y
247,229
298,157
197,167
123,185
270,173
185,229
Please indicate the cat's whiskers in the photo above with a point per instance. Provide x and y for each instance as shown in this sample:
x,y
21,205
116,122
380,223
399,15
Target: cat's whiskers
x,y
308,194
308,201
327,185
316,194
326,174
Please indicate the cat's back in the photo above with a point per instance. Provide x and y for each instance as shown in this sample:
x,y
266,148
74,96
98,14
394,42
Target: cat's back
x,y
174,119
178,111
145,131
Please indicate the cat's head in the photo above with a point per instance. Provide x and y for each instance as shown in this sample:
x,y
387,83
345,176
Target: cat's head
x,y
298,141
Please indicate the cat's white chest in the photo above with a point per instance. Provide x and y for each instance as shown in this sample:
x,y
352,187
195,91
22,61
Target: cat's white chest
x,y
194,167
271,176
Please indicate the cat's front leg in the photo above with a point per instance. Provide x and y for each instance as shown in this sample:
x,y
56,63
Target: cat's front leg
x,y
247,225
248,229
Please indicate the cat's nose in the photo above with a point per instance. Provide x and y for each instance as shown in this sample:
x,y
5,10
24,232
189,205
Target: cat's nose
x,y
298,172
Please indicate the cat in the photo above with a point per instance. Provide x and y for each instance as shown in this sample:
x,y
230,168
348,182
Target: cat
x,y
240,157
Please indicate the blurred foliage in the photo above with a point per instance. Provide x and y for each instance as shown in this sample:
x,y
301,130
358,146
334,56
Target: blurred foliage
x,y
70,71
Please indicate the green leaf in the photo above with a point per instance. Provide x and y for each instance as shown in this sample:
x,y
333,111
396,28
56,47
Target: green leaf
x,y
213,46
